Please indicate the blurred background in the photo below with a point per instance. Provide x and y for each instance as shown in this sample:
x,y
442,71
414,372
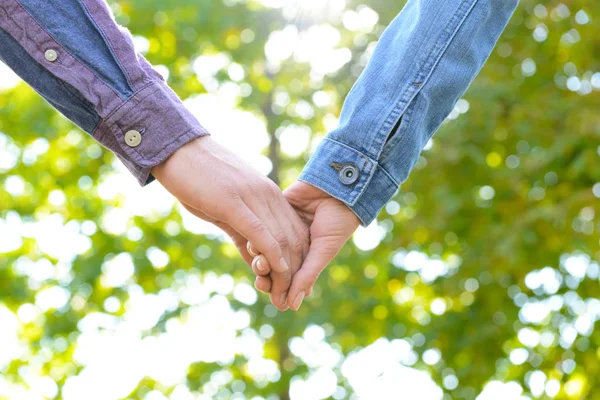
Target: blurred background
x,y
480,280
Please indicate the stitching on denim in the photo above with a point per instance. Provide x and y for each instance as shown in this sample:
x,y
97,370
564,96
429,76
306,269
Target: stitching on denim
x,y
355,194
351,148
404,126
422,75
361,207
110,46
369,171
390,177
358,191
361,212
364,212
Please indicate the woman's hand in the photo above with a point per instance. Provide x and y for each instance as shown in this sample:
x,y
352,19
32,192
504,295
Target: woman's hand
x,y
331,224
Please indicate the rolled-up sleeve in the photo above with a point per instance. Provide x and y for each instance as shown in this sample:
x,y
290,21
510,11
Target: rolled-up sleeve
x,y
73,53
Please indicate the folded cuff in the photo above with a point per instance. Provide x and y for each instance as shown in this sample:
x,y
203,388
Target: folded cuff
x,y
162,121
367,195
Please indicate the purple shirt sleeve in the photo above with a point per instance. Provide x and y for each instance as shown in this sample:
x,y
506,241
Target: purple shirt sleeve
x,y
90,64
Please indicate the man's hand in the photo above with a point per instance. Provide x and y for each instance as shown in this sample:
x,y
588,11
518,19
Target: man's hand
x,y
331,224
217,186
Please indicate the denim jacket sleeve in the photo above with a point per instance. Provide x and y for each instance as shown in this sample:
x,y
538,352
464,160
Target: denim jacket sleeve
x,y
422,65
74,54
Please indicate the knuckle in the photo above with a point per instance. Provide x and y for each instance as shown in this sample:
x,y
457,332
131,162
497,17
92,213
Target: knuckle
x,y
253,189
227,191
274,247
269,187
268,183
218,211
256,226
297,246
221,209
276,190
282,239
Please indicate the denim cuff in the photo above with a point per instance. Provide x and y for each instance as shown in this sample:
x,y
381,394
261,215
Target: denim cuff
x,y
367,195
162,121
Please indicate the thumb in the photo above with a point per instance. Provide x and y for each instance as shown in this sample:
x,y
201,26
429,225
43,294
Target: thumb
x,y
320,254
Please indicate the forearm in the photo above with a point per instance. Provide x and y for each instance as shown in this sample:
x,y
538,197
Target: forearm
x,y
422,65
73,53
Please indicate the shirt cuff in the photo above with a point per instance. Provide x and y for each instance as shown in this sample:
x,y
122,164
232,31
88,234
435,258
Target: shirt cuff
x,y
162,125
351,177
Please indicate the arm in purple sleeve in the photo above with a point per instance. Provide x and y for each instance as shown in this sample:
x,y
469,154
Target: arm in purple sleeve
x,y
74,54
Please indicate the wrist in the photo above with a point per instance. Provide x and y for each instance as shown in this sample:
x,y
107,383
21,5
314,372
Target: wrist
x,y
186,155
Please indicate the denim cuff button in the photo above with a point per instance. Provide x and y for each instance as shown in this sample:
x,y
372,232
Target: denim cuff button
x,y
349,174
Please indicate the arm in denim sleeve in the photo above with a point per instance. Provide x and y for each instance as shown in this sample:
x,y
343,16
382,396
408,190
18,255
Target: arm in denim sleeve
x,y
422,65
74,54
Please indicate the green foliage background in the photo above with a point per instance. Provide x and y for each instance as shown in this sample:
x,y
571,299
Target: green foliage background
x,y
528,135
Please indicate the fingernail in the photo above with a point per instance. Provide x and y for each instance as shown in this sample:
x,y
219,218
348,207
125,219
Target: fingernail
x,y
298,301
259,266
283,299
250,251
284,264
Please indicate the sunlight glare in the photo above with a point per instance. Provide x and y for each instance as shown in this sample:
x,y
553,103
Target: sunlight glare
x,y
375,371
315,10
9,341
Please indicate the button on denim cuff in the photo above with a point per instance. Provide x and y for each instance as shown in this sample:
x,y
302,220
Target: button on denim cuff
x,y
423,63
367,196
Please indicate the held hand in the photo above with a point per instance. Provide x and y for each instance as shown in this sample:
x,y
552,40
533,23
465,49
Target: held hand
x,y
331,224
216,186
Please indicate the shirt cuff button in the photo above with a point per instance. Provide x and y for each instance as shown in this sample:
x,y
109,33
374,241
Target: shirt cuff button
x,y
133,138
349,174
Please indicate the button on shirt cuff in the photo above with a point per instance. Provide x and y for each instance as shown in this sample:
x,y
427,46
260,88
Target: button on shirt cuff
x,y
146,129
332,170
